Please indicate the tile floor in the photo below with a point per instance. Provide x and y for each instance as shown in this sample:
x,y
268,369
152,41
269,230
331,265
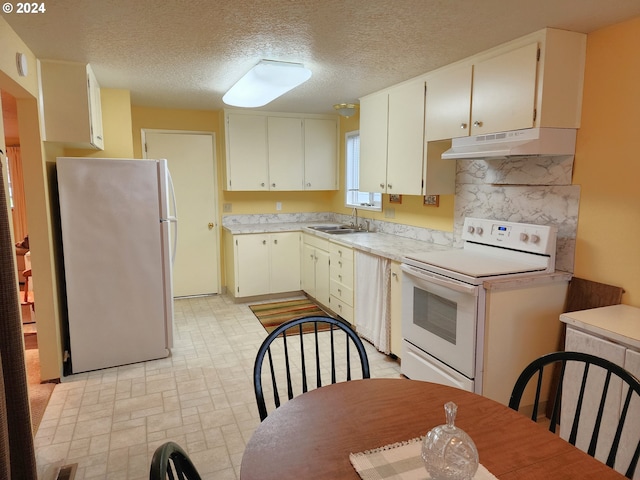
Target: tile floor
x,y
110,421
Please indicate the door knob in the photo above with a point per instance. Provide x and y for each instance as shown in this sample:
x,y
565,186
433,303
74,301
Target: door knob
x,y
210,226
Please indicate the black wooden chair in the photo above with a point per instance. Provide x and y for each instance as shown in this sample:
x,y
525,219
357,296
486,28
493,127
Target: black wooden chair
x,y
170,461
597,381
291,353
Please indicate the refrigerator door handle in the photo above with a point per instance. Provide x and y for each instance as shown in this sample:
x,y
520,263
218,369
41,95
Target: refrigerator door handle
x,y
173,218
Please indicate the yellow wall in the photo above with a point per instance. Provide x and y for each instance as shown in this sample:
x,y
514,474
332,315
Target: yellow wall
x,y
607,163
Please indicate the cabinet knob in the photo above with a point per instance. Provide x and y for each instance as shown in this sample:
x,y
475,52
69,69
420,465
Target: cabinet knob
x,y
394,274
389,186
210,225
273,185
275,241
477,123
264,242
382,185
308,184
262,184
463,126
340,277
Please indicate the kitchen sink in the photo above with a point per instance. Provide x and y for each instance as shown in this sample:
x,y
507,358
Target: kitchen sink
x,y
336,229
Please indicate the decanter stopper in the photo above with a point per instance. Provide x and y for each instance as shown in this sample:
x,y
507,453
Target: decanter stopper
x,y
448,452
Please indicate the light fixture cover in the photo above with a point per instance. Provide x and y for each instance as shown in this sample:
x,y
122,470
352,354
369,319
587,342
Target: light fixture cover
x,y
346,109
265,82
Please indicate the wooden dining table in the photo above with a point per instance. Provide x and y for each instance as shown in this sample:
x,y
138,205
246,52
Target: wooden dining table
x,y
312,435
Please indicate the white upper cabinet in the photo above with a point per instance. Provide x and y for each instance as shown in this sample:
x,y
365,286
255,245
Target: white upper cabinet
x,y
392,144
504,90
71,113
448,111
535,81
281,152
405,141
285,153
374,111
247,155
321,153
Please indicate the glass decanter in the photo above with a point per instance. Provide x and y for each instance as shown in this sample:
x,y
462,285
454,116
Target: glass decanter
x,y
448,452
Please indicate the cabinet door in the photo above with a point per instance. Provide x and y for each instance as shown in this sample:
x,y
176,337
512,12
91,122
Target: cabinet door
x,y
405,141
247,161
286,153
579,341
322,277
373,143
252,265
504,91
320,154
629,438
308,269
285,262
448,105
95,109
396,308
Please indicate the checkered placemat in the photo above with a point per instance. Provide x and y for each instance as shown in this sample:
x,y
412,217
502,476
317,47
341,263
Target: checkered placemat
x,y
400,461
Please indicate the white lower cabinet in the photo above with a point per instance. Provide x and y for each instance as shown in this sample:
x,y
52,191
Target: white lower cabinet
x,y
395,284
315,268
265,263
341,280
607,343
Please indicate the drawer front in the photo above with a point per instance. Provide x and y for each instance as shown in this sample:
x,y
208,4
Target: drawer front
x,y
340,251
341,292
342,309
342,271
317,242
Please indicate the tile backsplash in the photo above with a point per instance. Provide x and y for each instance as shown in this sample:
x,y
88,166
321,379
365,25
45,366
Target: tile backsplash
x,y
530,190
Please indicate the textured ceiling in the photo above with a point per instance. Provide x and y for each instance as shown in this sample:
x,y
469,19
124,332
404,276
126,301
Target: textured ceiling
x,y
178,54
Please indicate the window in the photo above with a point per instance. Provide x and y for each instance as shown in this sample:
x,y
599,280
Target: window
x,y
355,197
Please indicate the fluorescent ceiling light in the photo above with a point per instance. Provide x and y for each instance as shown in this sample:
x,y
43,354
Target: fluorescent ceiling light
x,y
265,82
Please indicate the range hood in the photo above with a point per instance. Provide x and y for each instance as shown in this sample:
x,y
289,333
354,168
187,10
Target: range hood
x,y
529,142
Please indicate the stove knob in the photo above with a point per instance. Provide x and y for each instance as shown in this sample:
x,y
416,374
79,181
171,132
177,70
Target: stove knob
x,y
479,230
535,238
524,237
470,229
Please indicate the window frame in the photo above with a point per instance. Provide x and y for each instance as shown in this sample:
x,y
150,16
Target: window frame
x,y
374,202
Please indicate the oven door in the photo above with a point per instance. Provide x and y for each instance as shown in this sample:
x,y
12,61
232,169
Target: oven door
x,y
439,316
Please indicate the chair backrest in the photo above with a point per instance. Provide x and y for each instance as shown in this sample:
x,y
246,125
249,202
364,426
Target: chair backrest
x,y
598,383
322,355
170,461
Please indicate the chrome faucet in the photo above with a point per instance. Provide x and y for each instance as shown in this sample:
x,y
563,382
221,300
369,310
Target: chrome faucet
x,y
355,215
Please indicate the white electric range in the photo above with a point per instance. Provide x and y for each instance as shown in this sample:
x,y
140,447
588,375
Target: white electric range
x,y
448,316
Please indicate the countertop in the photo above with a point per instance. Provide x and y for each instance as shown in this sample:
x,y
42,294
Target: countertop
x,y
619,323
393,247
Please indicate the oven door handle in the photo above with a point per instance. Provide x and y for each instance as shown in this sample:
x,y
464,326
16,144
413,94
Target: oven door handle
x,y
439,280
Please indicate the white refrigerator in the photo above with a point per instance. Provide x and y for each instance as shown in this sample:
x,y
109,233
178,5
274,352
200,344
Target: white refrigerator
x,y
118,226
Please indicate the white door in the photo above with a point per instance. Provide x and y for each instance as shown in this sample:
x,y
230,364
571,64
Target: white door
x,y
191,161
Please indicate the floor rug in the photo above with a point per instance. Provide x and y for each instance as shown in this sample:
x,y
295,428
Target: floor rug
x,y
276,313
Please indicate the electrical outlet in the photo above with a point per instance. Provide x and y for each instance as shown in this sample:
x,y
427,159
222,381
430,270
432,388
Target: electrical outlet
x,y
390,212
226,207
278,206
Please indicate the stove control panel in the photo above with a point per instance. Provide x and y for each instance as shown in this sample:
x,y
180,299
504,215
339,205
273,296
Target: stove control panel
x,y
524,237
